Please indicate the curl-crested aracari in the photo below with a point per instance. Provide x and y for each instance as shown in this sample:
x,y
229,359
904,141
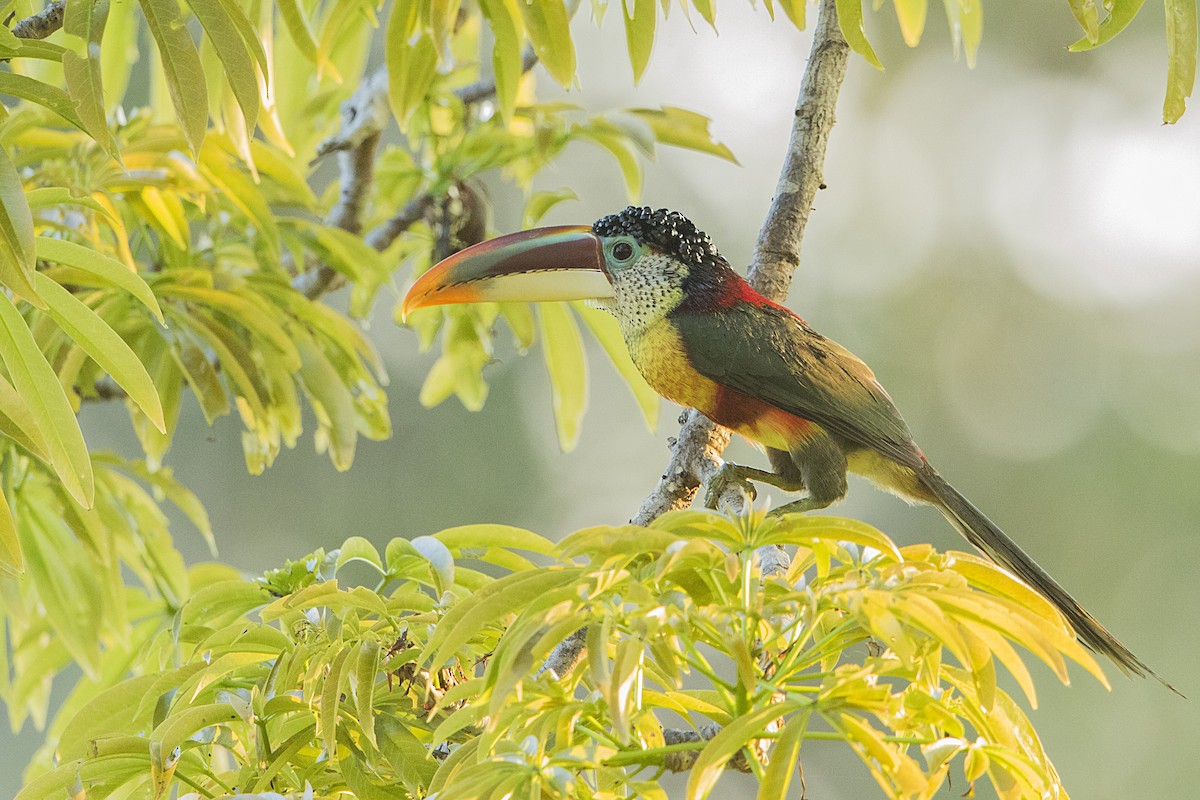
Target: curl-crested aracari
x,y
704,338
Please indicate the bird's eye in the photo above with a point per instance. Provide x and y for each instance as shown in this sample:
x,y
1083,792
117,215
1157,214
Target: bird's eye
x,y
622,251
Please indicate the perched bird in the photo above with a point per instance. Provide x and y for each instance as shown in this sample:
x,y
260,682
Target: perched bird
x,y
704,338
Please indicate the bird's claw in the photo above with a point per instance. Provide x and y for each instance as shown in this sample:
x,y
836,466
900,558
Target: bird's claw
x,y
721,480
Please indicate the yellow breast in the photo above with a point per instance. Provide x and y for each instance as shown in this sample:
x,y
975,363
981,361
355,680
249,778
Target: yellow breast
x,y
659,354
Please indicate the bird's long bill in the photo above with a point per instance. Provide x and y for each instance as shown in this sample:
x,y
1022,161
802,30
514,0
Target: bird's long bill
x,y
559,263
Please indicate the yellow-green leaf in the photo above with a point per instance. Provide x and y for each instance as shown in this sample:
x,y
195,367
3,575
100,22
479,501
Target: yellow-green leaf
x,y
733,737
1088,17
86,19
549,28
332,403
639,33
181,66
911,15
850,18
37,384
235,56
785,759
707,10
365,673
796,11
1120,14
43,94
1181,57
16,233
11,560
563,352
411,61
102,343
604,327
108,270
966,26
540,203
504,19
679,127
17,423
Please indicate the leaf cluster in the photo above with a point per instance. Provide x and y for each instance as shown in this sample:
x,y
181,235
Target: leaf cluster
x,y
424,681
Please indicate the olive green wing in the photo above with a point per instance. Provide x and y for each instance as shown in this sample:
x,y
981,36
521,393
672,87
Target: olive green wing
x,y
770,353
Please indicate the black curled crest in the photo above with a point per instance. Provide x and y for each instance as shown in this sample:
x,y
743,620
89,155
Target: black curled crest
x,y
668,231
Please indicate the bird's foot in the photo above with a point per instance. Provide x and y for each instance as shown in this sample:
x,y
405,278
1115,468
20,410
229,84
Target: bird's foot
x,y
728,475
799,507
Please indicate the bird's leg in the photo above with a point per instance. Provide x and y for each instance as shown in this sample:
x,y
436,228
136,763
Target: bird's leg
x,y
800,506
742,475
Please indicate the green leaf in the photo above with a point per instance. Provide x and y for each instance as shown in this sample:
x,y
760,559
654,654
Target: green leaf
x,y
1120,14
1181,57
1088,17
17,423
239,189
331,692
549,28
365,673
179,726
356,548
37,384
411,61
163,480
16,233
51,196
563,352
296,21
911,15
332,403
639,33
785,758
733,737
468,537
966,26
707,10
249,311
86,19
181,66
504,18
490,604
607,331
405,752
98,340
796,11
43,94
113,709
235,56
679,127
11,560
107,269
540,203
245,29
850,18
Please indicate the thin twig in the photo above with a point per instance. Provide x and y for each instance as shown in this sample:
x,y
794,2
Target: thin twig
x,y
43,23
485,88
364,116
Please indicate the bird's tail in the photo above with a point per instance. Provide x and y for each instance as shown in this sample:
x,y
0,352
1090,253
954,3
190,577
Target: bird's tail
x,y
988,538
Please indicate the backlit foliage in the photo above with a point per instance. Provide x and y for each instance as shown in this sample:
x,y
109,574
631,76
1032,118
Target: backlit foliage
x,y
167,190
424,681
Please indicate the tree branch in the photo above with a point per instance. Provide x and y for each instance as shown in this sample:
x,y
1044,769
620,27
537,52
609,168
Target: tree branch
x,y
696,453
364,116
43,23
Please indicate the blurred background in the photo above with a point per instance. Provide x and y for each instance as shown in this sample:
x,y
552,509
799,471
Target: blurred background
x,y
1015,250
